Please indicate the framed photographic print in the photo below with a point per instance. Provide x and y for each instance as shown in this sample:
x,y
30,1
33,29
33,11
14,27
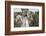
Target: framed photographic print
x,y
24,17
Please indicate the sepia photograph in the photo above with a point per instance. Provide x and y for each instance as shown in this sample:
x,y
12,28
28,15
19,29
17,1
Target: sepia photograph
x,y
26,17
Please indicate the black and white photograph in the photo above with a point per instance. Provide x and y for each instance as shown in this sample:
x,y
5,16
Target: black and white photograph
x,y
26,17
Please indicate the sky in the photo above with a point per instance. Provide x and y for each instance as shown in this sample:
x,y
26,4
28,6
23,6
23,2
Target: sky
x,y
19,9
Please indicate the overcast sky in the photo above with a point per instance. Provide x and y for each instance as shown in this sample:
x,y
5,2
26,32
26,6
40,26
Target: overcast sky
x,y
19,10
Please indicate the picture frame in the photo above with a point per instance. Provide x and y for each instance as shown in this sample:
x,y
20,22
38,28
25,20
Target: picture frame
x,y
10,29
